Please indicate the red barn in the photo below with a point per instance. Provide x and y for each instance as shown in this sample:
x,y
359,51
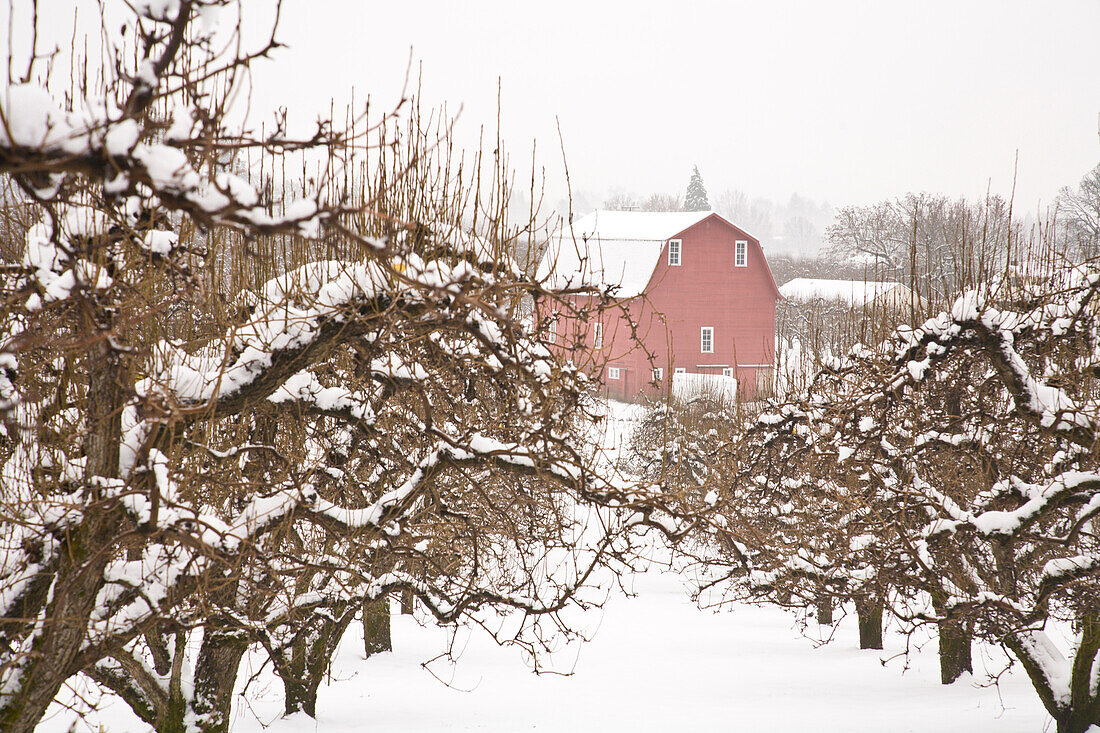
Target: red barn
x,y
692,294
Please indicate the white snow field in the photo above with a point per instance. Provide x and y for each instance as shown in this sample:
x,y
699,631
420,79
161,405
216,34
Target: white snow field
x,y
655,663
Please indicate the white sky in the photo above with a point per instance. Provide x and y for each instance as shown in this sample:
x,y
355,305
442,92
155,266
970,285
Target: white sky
x,y
848,101
841,101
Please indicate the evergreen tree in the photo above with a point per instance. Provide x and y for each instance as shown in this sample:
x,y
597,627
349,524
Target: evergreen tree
x,y
696,197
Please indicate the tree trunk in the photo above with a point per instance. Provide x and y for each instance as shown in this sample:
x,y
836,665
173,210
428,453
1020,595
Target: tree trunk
x,y
825,610
1074,721
869,613
408,601
955,657
86,549
215,676
1084,707
300,695
47,665
376,627
205,708
310,658
85,553
174,717
954,642
299,682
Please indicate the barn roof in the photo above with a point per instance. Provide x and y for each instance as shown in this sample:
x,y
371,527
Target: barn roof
x,y
615,251
853,292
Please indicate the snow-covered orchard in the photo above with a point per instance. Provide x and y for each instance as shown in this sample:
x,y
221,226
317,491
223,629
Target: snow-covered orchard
x,y
242,414
947,478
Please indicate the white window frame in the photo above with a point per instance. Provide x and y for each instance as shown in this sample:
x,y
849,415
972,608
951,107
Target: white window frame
x,y
741,253
706,340
552,331
675,246
614,373
597,336
727,372
680,370
658,374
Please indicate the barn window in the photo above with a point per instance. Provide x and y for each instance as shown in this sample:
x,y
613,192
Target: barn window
x,y
727,372
613,372
552,331
658,374
674,252
741,253
597,336
706,339
680,370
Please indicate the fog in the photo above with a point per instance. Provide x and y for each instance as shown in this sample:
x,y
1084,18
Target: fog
x,y
840,103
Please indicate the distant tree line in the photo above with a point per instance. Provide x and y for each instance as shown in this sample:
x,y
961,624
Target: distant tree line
x,y
795,226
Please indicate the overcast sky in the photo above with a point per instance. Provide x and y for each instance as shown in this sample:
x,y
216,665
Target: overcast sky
x,y
847,102
841,101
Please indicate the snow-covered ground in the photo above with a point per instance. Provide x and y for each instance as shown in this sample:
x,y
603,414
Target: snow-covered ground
x,y
659,664
656,663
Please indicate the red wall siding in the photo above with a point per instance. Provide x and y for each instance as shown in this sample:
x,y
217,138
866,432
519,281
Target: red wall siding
x,y
705,290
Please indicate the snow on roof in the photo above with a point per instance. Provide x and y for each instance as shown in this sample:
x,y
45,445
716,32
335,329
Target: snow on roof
x,y
615,251
622,267
854,292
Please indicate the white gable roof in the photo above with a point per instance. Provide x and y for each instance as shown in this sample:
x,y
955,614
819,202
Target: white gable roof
x,y
614,251
853,292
